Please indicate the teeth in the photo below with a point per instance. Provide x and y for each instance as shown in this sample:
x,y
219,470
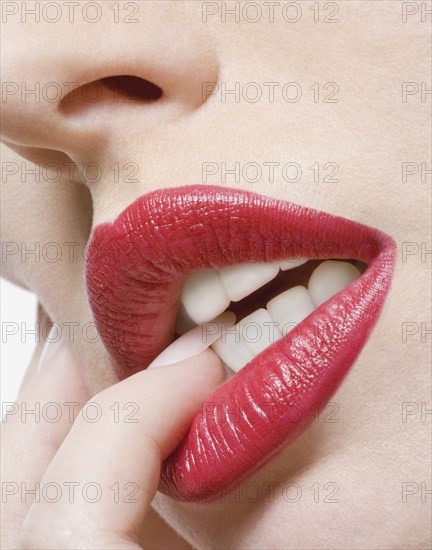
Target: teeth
x,y
291,264
248,338
207,294
232,350
329,278
258,330
203,296
241,280
290,308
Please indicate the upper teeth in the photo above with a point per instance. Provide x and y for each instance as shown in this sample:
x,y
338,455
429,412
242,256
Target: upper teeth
x,y
207,294
291,307
204,296
329,278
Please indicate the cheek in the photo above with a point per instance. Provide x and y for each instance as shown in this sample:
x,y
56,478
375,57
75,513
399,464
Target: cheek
x,y
45,227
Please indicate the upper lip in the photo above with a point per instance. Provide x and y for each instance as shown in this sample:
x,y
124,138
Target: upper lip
x,y
135,268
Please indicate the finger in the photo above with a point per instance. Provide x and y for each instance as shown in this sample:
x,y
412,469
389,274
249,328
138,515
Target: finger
x,y
33,428
44,323
115,461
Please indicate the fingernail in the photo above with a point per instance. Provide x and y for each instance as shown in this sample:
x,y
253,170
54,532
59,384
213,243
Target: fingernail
x,y
54,345
195,341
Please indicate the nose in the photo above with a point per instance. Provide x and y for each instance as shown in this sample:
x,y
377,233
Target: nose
x,y
71,89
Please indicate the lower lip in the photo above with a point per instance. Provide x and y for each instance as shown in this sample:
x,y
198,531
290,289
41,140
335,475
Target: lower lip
x,y
135,268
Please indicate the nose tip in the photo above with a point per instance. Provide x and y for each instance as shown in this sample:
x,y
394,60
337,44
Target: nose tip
x,y
70,87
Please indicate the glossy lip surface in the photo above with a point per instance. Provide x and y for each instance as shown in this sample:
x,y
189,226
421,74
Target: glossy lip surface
x,y
135,269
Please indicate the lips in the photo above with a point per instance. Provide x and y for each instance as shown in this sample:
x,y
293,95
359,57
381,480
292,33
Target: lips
x,y
135,270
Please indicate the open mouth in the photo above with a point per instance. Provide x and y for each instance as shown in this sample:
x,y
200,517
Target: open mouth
x,y
295,278
268,300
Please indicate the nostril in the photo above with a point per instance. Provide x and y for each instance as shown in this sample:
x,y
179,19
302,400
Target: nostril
x,y
119,89
132,87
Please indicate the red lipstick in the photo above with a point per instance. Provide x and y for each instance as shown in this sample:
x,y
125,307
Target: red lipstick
x,y
135,269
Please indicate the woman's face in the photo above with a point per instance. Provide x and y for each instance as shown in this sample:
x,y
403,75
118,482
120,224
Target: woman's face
x,y
321,104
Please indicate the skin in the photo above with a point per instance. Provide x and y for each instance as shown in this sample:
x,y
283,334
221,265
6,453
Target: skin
x,y
61,451
370,452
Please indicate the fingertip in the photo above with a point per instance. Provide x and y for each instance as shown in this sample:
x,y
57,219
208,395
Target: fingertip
x,y
205,367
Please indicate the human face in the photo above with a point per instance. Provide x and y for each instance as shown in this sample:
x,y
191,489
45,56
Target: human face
x,y
338,91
